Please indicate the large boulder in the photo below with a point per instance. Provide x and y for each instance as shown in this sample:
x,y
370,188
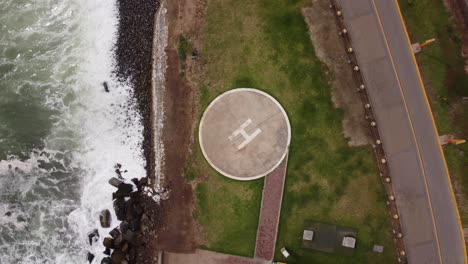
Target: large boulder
x,y
124,227
118,256
114,233
129,212
115,182
106,260
90,257
118,241
93,236
105,218
119,207
124,190
108,242
107,251
130,236
135,224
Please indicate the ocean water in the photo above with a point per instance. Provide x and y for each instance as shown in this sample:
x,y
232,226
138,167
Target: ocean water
x,y
60,133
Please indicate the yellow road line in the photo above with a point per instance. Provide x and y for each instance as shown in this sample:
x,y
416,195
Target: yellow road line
x,y
412,129
434,127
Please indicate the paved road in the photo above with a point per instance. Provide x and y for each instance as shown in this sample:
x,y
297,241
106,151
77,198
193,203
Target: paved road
x,y
425,200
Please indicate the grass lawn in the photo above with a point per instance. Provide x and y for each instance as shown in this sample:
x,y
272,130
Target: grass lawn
x,y
446,82
265,44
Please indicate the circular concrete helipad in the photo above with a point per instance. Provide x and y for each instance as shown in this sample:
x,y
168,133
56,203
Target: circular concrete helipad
x,y
244,134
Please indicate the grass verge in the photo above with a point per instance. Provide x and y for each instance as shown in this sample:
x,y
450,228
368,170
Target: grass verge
x,y
446,82
265,44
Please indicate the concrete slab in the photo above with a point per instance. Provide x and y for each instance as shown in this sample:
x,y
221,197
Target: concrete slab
x,y
244,134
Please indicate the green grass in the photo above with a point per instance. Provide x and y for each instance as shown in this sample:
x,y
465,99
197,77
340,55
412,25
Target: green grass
x,y
183,48
442,69
265,44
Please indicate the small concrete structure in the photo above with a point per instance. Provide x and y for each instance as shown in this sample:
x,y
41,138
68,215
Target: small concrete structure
x,y
330,238
308,235
244,134
349,242
378,248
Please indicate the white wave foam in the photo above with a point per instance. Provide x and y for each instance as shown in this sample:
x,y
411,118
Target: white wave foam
x,y
159,58
110,125
93,131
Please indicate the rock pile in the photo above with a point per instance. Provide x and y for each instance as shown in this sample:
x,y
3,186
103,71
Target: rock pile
x,y
121,242
133,56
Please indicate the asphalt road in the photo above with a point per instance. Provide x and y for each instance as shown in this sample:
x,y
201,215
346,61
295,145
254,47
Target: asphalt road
x,y
425,200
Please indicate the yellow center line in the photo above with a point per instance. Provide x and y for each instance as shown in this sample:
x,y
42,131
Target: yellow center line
x,y
412,127
435,130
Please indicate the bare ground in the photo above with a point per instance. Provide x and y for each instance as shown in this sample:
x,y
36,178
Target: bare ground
x,y
177,232
328,48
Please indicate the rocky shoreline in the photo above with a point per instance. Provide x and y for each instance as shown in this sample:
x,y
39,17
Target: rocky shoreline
x,y
133,52
131,241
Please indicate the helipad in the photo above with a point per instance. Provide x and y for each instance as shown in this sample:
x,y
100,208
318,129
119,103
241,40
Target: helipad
x,y
244,134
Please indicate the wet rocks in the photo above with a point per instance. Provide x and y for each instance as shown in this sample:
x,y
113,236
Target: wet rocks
x,y
123,190
93,236
90,257
105,218
106,260
108,242
119,208
129,209
106,87
115,182
133,56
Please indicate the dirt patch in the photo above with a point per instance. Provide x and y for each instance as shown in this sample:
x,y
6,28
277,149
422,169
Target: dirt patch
x,y
177,232
461,20
329,49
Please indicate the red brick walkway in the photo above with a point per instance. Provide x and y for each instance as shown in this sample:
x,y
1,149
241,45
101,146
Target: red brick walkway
x,y
270,212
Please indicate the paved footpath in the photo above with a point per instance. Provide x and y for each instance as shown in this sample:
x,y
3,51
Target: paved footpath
x,y
270,212
425,200
266,233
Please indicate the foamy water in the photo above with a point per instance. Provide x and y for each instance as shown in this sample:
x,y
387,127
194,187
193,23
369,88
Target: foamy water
x,y
60,133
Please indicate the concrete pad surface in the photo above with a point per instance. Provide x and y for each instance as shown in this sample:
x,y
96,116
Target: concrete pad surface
x,y
244,134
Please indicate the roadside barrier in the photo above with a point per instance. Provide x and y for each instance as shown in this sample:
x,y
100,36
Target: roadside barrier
x,y
377,146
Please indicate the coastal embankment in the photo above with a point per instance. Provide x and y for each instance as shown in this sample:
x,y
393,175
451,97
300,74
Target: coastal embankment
x,y
147,56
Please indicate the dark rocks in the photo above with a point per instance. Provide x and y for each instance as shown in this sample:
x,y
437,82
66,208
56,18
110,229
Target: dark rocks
x,y
106,260
118,241
133,52
130,236
107,251
108,242
115,182
118,256
119,207
124,226
105,218
135,181
143,182
124,190
114,233
135,224
93,236
90,257
106,87
8,214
